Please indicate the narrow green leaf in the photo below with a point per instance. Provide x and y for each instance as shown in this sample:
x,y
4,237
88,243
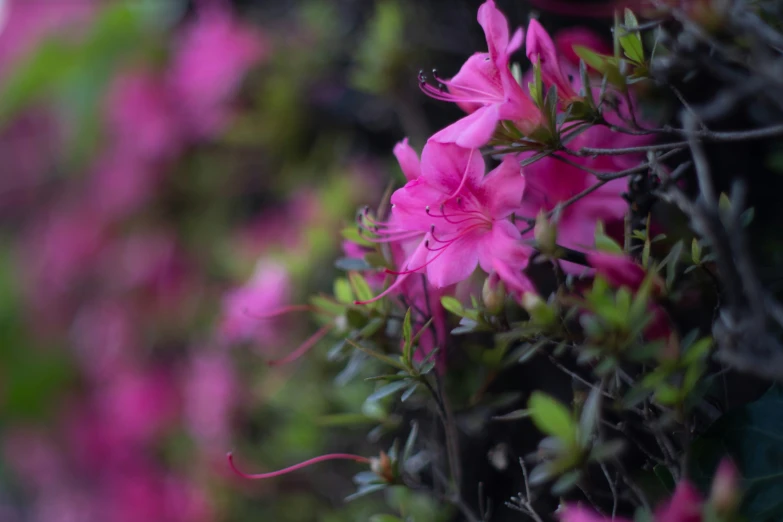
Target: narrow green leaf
x,y
407,351
407,452
360,287
631,41
552,418
381,357
386,390
452,305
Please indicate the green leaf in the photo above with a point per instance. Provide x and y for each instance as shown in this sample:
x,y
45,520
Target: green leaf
x,y
360,288
695,251
342,290
365,490
753,437
631,41
591,58
591,415
452,305
407,452
514,415
386,390
381,357
552,418
352,234
604,242
407,351
566,482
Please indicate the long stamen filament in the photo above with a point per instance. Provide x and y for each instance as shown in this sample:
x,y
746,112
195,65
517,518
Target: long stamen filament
x,y
316,460
303,348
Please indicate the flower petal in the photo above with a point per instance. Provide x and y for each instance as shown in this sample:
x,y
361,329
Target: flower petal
x,y
495,28
447,167
456,262
472,131
503,188
408,160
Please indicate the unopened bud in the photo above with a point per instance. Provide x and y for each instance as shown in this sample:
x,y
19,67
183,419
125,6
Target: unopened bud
x,y
724,494
494,294
537,308
382,466
545,233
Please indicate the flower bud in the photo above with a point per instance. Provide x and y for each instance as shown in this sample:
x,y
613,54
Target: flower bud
x,y
724,494
545,234
494,294
537,308
382,466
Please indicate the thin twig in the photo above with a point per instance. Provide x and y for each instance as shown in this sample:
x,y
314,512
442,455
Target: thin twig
x,y
612,487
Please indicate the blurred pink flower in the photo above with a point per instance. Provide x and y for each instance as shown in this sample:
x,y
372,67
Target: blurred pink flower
x,y
103,337
210,394
244,308
212,56
684,506
140,100
23,23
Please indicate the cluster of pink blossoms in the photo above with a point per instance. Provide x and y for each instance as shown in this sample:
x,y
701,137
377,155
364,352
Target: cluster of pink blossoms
x,y
686,504
451,216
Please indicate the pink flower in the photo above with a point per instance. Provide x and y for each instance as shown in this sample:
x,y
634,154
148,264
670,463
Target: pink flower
x,y
550,182
210,393
617,269
684,506
140,100
213,55
244,308
485,87
454,218
541,50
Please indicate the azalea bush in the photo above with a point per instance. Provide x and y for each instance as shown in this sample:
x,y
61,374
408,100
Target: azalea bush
x,y
557,303
540,282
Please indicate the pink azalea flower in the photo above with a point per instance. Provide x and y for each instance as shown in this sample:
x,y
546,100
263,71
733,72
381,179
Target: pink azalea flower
x,y
210,394
455,218
617,269
684,506
541,50
550,182
213,55
244,308
140,100
485,87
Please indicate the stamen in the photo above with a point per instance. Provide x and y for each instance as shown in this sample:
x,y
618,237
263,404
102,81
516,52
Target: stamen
x,y
282,311
316,460
464,174
303,348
